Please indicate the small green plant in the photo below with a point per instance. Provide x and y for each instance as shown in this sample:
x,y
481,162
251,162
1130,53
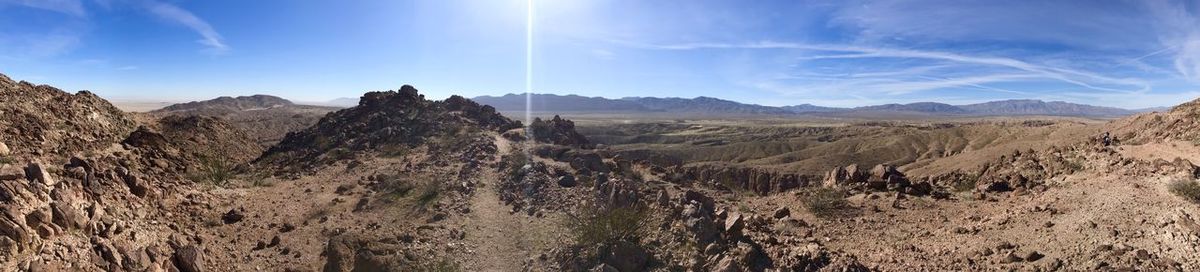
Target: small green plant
x,y
6,160
1186,188
964,184
212,170
828,203
608,226
429,194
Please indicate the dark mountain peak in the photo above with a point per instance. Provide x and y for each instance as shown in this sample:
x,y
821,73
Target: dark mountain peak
x,y
226,103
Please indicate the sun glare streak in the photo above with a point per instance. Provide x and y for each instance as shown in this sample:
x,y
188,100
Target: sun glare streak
x,y
529,62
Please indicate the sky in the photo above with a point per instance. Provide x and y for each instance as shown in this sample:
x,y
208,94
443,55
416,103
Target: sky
x,y
1129,54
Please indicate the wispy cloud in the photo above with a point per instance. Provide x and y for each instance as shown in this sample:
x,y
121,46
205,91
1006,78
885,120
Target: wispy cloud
x,y
175,14
70,7
1084,79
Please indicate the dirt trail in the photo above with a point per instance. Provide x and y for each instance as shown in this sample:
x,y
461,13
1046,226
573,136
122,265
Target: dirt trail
x,y
501,240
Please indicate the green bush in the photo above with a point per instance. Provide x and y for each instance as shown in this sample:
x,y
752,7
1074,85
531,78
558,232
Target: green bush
x,y
1187,189
609,226
828,203
212,170
965,184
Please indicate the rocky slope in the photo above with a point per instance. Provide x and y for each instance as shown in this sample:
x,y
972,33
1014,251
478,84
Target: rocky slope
x,y
77,195
43,120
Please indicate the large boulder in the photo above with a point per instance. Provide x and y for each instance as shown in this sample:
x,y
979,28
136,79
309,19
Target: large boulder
x,y
558,131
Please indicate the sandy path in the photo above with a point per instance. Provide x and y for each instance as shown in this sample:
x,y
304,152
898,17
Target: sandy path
x,y
503,241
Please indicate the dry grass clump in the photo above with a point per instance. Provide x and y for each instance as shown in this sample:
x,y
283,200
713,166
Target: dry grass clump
x,y
828,203
609,226
1186,188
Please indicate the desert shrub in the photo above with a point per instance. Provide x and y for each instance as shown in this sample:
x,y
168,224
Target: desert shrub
x,y
828,203
1186,188
608,226
421,195
212,170
394,150
6,160
428,194
965,183
340,153
512,163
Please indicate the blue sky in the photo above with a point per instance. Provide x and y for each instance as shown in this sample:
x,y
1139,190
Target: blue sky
x,y
1128,54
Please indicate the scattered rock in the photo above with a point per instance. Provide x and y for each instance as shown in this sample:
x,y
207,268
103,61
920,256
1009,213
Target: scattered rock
x,y
567,181
1033,255
1011,258
782,212
233,216
11,172
189,258
35,171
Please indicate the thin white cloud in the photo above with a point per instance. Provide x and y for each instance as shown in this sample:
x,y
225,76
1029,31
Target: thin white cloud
x,y
70,7
209,36
1081,78
941,83
1177,30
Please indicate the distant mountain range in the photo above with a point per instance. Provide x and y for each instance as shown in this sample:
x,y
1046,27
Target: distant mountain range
x,y
714,106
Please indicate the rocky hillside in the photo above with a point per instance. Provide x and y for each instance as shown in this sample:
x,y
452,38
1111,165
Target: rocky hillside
x,y
393,120
43,120
73,199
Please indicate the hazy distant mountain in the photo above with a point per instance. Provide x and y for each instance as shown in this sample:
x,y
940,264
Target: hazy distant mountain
x,y
342,102
1158,109
715,106
559,103
922,107
226,103
1038,107
703,105
807,108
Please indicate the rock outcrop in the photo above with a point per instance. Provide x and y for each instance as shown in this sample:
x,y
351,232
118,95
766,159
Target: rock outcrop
x,y
756,180
558,131
381,121
879,179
